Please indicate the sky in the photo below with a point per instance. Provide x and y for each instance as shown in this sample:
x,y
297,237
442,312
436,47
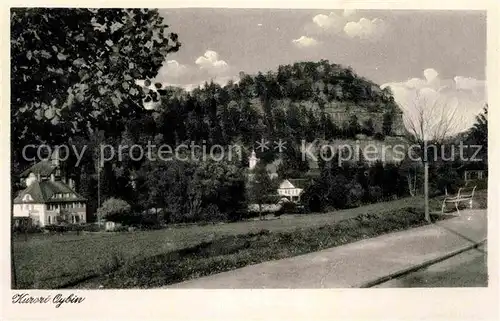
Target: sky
x,y
443,52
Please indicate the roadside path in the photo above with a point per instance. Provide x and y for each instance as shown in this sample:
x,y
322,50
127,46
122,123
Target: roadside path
x,y
356,264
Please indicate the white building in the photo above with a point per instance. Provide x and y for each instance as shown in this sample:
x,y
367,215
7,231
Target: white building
x,y
292,189
47,200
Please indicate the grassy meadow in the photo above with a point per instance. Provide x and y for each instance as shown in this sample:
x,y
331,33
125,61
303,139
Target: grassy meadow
x,y
53,261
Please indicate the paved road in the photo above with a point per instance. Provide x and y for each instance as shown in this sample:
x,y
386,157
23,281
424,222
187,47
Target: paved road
x,y
359,263
468,269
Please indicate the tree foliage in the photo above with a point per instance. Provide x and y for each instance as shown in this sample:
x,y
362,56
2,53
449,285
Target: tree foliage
x,y
114,209
479,132
261,187
74,70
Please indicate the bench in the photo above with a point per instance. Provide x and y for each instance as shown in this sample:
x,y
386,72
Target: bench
x,y
464,194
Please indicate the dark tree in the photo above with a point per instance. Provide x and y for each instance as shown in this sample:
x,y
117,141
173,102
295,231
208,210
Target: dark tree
x,y
261,187
387,123
74,70
353,127
479,132
368,128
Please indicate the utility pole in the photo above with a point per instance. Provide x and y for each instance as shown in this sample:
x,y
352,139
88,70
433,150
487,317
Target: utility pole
x,y
97,159
426,191
98,186
98,190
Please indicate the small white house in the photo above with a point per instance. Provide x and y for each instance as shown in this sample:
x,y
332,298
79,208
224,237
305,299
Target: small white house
x,y
49,202
470,175
292,189
111,226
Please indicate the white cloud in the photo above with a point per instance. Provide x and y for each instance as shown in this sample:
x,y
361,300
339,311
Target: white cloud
x,y
472,84
210,62
332,22
346,23
225,79
349,12
430,74
188,77
172,69
305,42
365,28
463,95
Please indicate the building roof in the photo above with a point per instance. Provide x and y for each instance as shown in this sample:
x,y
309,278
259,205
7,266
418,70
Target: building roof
x,y
43,192
43,168
299,182
294,183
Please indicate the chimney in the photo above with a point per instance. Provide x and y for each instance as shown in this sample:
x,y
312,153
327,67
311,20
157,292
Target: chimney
x,y
30,179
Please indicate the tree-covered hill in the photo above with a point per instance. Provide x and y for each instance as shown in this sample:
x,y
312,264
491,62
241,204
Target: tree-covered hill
x,y
306,100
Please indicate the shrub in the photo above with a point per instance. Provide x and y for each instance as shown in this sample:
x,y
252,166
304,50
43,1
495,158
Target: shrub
x,y
29,229
379,136
446,177
114,209
211,213
114,263
92,227
121,229
354,194
289,207
479,183
149,221
375,193
56,228
25,225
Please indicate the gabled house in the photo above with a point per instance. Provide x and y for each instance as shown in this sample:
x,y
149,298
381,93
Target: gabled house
x,y
292,189
47,198
50,202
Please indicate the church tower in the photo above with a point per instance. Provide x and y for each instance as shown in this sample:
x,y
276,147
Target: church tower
x,y
252,161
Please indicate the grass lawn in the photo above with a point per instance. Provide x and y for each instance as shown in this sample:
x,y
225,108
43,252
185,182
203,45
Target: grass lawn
x,y
58,260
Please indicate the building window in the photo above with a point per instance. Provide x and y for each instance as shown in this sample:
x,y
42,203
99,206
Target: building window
x,y
48,219
27,198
